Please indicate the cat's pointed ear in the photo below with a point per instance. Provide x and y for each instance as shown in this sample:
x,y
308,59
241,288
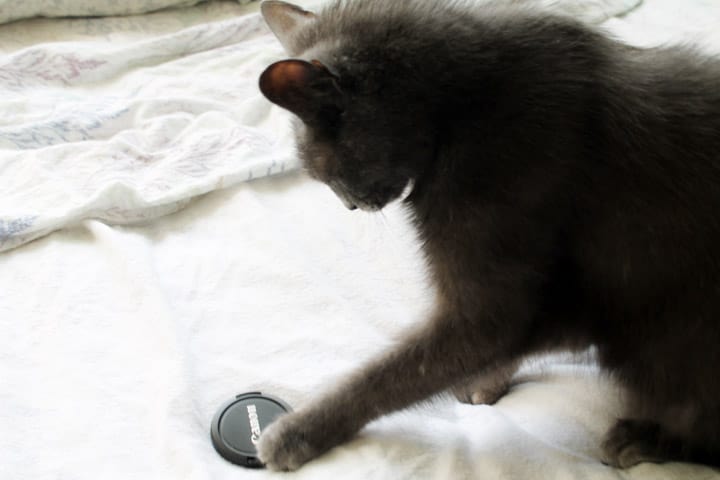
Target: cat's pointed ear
x,y
285,20
307,89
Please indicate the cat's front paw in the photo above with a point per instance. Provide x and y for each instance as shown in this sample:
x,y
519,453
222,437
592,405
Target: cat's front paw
x,y
290,442
485,389
479,394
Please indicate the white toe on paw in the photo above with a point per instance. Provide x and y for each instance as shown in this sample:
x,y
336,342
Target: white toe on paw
x,y
286,445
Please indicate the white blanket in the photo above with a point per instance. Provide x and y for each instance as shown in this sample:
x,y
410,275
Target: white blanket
x,y
13,10
119,342
125,119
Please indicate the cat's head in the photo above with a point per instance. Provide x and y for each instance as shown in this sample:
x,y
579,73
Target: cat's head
x,y
357,129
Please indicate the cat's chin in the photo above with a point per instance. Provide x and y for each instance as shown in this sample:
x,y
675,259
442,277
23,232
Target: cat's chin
x,y
376,207
407,191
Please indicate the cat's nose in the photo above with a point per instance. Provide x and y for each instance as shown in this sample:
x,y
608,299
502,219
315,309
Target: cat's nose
x,y
352,207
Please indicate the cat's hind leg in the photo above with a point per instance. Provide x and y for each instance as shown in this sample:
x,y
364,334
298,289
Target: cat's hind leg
x,y
630,442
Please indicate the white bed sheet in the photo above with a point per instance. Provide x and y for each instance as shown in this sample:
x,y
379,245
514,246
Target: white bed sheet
x,y
119,342
125,119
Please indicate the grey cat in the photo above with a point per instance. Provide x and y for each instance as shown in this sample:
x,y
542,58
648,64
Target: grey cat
x,y
566,190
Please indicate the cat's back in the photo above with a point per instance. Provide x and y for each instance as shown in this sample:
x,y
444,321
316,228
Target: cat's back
x,y
650,226
430,35
675,89
661,131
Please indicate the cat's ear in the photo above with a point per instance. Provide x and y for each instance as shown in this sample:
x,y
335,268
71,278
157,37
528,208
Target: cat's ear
x,y
285,20
308,89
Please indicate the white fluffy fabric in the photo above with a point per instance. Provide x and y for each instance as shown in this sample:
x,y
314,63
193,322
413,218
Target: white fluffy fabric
x,y
119,342
124,119
13,10
595,11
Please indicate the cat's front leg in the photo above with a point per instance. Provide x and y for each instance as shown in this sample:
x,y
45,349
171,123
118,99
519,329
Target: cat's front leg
x,y
448,350
487,387
301,436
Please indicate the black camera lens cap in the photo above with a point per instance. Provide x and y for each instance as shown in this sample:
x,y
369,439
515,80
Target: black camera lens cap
x,y
237,426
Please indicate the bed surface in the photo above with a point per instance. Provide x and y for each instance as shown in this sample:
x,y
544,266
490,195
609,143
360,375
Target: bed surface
x,y
125,325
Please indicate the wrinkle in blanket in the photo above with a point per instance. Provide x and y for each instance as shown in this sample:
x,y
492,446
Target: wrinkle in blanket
x,y
130,125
